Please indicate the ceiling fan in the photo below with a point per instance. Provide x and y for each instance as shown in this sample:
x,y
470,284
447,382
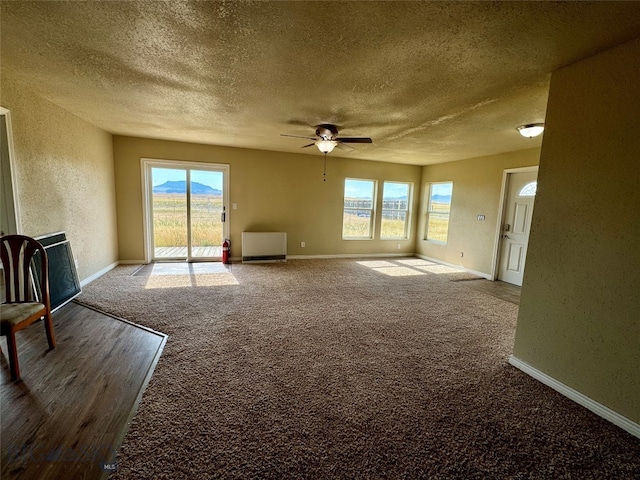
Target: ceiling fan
x,y
327,139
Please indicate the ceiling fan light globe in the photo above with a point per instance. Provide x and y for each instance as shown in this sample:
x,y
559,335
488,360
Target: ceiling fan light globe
x,y
326,146
531,130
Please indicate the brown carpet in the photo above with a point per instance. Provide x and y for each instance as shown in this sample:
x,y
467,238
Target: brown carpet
x,y
326,369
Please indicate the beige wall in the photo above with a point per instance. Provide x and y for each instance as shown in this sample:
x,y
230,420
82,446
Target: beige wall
x,y
579,319
477,183
65,180
274,192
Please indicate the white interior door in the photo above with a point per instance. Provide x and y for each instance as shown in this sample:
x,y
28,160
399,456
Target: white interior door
x,y
516,226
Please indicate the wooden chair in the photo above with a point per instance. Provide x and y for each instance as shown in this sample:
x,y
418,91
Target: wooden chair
x,y
22,305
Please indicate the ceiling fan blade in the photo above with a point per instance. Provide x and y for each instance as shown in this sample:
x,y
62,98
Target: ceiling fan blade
x,y
344,146
299,123
354,140
298,136
310,145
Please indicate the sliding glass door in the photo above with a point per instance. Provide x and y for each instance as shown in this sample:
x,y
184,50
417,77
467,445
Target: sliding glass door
x,y
207,213
186,210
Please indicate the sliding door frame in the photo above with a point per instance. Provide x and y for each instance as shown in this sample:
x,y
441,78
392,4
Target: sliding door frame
x,y
146,165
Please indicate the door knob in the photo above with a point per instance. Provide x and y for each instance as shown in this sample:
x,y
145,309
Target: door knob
x,y
505,236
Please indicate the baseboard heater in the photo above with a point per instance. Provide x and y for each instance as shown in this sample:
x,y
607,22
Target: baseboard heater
x,y
261,247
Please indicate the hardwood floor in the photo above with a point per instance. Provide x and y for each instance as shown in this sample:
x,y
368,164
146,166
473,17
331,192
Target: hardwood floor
x,y
503,291
68,415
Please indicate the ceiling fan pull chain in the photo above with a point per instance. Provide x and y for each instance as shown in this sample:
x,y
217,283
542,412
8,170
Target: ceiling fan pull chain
x,y
324,175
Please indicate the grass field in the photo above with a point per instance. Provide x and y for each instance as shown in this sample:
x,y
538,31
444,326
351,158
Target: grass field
x,y
438,222
170,220
355,226
392,228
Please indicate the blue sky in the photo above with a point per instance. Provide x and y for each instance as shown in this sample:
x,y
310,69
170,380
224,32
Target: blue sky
x,y
441,188
362,189
212,179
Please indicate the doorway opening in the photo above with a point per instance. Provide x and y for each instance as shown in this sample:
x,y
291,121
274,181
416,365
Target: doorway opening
x,y
9,210
512,237
185,210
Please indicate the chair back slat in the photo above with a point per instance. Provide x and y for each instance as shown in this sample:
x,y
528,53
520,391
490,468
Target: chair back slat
x,y
17,251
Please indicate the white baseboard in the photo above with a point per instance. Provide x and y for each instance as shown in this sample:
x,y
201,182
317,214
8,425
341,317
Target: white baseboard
x,y
350,255
302,257
453,265
581,399
98,274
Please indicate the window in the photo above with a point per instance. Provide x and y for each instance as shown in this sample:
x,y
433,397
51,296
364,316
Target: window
x,y
359,202
438,212
529,190
395,209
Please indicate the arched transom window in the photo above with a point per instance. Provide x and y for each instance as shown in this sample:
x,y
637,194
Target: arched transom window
x,y
529,190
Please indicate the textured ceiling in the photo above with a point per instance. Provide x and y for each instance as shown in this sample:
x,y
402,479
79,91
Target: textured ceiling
x,y
428,81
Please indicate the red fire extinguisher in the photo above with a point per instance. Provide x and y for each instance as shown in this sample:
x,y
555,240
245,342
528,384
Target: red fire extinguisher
x,y
226,251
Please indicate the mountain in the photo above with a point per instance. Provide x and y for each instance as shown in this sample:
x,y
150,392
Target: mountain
x,y
181,187
441,198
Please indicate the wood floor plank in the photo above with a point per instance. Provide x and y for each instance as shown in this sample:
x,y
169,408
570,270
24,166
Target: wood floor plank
x,y
68,415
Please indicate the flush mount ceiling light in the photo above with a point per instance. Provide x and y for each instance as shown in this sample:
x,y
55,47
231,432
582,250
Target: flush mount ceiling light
x,y
531,130
326,146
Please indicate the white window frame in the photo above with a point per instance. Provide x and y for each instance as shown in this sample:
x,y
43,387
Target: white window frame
x,y
406,210
431,211
372,210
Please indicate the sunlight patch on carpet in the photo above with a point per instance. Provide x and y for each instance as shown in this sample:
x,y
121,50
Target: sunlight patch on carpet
x,y
376,263
180,268
198,280
414,267
416,262
399,271
391,269
440,269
